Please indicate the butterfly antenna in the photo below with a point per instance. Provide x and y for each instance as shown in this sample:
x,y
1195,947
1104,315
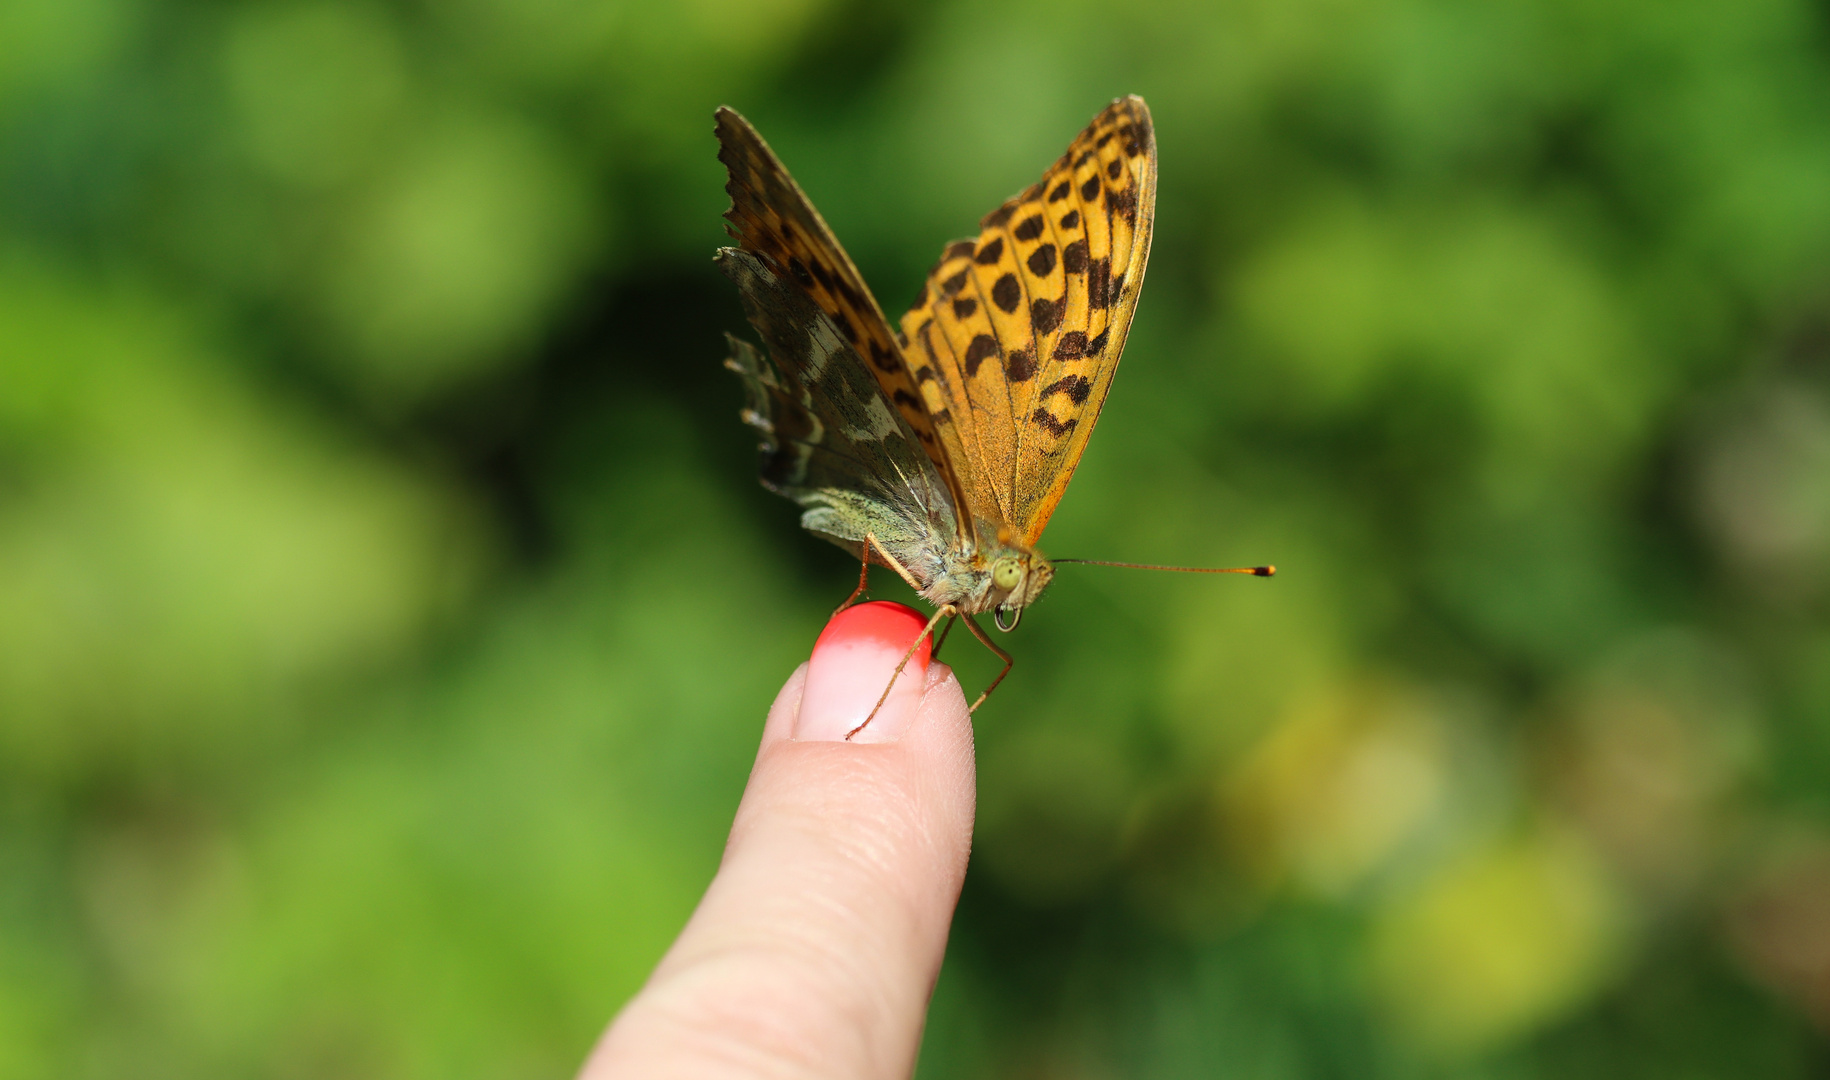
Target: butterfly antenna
x,y
1255,571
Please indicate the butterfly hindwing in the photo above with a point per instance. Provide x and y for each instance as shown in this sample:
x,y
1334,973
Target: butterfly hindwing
x,y
830,441
772,218
1017,333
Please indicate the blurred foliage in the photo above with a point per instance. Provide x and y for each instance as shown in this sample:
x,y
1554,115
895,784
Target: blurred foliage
x,y
372,501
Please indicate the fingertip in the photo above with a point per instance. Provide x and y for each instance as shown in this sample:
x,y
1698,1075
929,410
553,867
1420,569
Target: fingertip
x,y
822,935
867,676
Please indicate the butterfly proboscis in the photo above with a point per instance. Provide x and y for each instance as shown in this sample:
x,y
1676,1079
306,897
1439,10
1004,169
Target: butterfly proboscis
x,y
997,618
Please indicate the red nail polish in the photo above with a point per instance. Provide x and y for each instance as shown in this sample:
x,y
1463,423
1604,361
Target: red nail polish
x,y
882,622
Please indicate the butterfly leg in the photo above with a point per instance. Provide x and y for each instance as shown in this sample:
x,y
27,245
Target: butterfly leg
x,y
945,611
977,632
864,577
864,570
941,639
892,562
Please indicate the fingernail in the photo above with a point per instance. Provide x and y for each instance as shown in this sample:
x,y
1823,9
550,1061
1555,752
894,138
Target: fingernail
x,y
852,663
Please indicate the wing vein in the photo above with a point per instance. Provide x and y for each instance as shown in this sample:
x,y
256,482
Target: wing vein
x,y
1003,498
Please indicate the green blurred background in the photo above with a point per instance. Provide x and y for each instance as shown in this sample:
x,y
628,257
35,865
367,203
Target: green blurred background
x,y
373,505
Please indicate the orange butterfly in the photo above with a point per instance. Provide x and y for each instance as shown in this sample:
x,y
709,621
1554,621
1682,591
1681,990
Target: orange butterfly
x,y
940,449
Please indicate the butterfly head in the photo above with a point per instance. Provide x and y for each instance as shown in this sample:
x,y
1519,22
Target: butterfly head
x,y
1017,578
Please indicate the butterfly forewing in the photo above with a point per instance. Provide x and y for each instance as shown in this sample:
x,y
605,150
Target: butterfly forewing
x,y
1017,333
772,218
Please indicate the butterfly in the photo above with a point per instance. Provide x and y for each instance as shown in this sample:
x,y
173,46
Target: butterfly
x,y
940,448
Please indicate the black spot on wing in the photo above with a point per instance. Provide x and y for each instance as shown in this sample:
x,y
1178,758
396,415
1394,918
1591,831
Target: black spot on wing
x,y
1098,344
1099,283
1053,424
1060,192
997,218
1077,387
982,348
1028,229
1072,346
1042,260
1071,220
1123,203
1006,293
823,276
1045,314
1089,190
991,252
1020,366
882,357
1074,257
954,284
964,307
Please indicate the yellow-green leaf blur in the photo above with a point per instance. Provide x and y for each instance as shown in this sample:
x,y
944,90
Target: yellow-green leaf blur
x,y
388,609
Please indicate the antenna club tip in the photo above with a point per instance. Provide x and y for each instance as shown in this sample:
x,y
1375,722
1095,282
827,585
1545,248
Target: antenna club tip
x,y
1264,571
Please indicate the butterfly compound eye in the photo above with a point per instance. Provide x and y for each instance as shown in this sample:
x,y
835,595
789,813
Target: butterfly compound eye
x,y
1006,573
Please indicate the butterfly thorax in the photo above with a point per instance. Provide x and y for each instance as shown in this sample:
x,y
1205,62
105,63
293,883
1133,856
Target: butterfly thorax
x,y
974,581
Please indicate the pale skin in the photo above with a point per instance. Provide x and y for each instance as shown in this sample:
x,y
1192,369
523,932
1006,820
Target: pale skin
x,y
817,945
